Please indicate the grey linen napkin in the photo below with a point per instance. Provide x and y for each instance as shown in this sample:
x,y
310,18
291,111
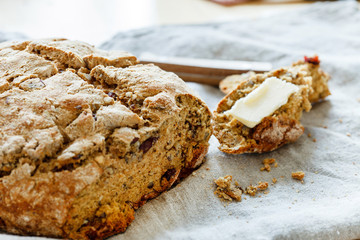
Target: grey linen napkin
x,y
327,205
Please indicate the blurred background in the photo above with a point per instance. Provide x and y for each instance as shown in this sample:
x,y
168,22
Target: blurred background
x,y
95,21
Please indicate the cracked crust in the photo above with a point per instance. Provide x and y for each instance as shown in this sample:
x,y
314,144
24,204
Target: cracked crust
x,y
272,132
75,54
86,139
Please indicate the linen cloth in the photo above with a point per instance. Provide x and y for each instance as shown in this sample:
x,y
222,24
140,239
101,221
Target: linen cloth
x,y
326,205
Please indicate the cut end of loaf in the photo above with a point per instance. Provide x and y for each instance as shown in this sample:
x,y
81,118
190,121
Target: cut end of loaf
x,y
96,137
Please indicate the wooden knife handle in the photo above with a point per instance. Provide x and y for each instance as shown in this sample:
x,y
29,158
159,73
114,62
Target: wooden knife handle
x,y
206,71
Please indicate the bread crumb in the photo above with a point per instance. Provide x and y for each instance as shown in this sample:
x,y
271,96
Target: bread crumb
x,y
251,190
227,190
274,180
348,134
207,169
314,140
262,186
309,135
267,162
193,173
298,175
340,120
325,127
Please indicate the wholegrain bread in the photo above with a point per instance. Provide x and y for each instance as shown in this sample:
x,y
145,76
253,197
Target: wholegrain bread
x,y
88,136
281,127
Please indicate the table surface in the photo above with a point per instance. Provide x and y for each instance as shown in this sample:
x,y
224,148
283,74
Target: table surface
x,y
95,21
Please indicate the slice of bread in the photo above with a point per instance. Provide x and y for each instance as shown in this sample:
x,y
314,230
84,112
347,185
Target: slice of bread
x,y
281,127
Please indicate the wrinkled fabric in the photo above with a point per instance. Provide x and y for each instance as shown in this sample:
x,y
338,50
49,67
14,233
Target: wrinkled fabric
x,y
326,205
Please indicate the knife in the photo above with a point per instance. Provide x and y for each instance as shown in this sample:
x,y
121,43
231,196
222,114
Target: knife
x,y
207,71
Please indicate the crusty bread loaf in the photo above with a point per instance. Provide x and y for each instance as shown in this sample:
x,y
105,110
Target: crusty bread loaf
x,y
283,126
89,136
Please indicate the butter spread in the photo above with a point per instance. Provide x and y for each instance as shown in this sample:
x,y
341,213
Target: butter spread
x,y
262,102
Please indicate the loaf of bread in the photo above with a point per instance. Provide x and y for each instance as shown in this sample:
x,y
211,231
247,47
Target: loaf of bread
x,y
282,126
88,136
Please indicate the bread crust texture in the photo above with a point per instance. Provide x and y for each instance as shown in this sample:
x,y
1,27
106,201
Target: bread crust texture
x,y
88,136
281,127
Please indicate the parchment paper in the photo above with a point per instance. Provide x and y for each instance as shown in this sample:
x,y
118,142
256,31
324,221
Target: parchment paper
x,y
327,204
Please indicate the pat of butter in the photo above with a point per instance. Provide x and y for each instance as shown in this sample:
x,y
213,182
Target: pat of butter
x,y
262,102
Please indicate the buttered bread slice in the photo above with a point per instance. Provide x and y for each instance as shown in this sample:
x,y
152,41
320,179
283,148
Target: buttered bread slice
x,y
262,113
